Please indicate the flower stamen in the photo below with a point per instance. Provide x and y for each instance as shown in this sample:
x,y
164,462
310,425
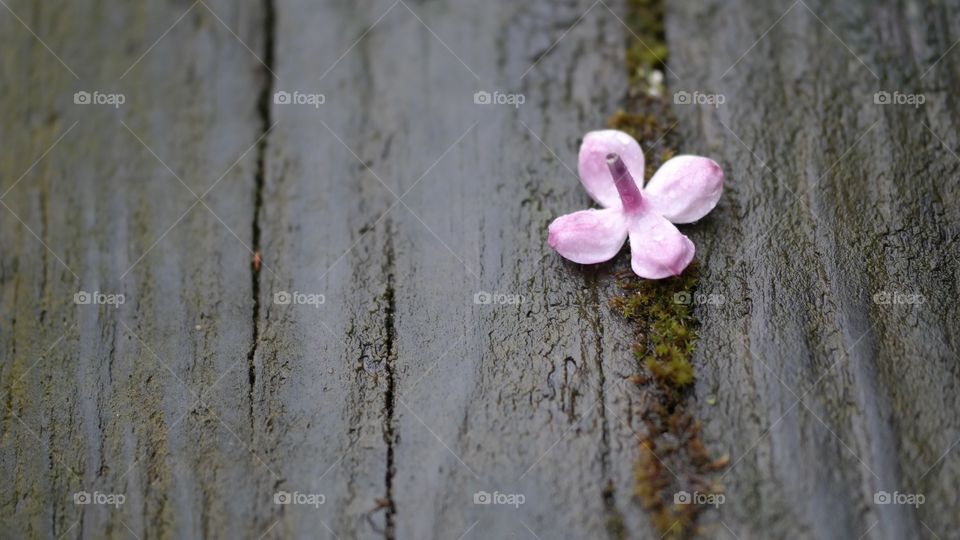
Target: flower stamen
x,y
630,194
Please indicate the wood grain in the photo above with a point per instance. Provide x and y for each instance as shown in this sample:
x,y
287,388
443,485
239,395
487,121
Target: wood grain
x,y
826,396
389,215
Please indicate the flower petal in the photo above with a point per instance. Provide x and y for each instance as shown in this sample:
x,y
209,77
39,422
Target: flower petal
x,y
685,188
657,249
589,236
594,172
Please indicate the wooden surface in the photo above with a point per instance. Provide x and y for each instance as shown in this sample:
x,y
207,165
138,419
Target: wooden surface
x,y
400,199
827,397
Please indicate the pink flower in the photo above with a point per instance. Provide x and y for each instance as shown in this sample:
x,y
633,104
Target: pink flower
x,y
684,190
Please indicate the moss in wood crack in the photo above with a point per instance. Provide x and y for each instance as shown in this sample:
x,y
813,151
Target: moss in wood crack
x,y
666,331
648,54
666,328
672,457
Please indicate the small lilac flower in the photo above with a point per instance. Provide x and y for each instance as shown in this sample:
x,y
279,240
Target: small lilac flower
x,y
683,190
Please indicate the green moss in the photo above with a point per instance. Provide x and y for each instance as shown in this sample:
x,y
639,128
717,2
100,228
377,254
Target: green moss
x,y
649,52
666,332
660,311
676,371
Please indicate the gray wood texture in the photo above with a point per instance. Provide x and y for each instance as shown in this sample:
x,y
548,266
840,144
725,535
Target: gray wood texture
x,y
400,199
825,395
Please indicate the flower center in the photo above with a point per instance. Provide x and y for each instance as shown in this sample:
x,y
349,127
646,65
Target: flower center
x,y
630,194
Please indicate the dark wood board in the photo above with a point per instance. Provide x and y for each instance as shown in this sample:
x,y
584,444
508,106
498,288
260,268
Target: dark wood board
x,y
399,202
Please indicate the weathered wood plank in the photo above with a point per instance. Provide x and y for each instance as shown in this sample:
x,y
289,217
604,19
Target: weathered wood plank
x,y
826,396
499,397
400,397
456,397
322,374
103,399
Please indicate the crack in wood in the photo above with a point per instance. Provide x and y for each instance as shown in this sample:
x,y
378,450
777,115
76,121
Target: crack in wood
x,y
263,108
